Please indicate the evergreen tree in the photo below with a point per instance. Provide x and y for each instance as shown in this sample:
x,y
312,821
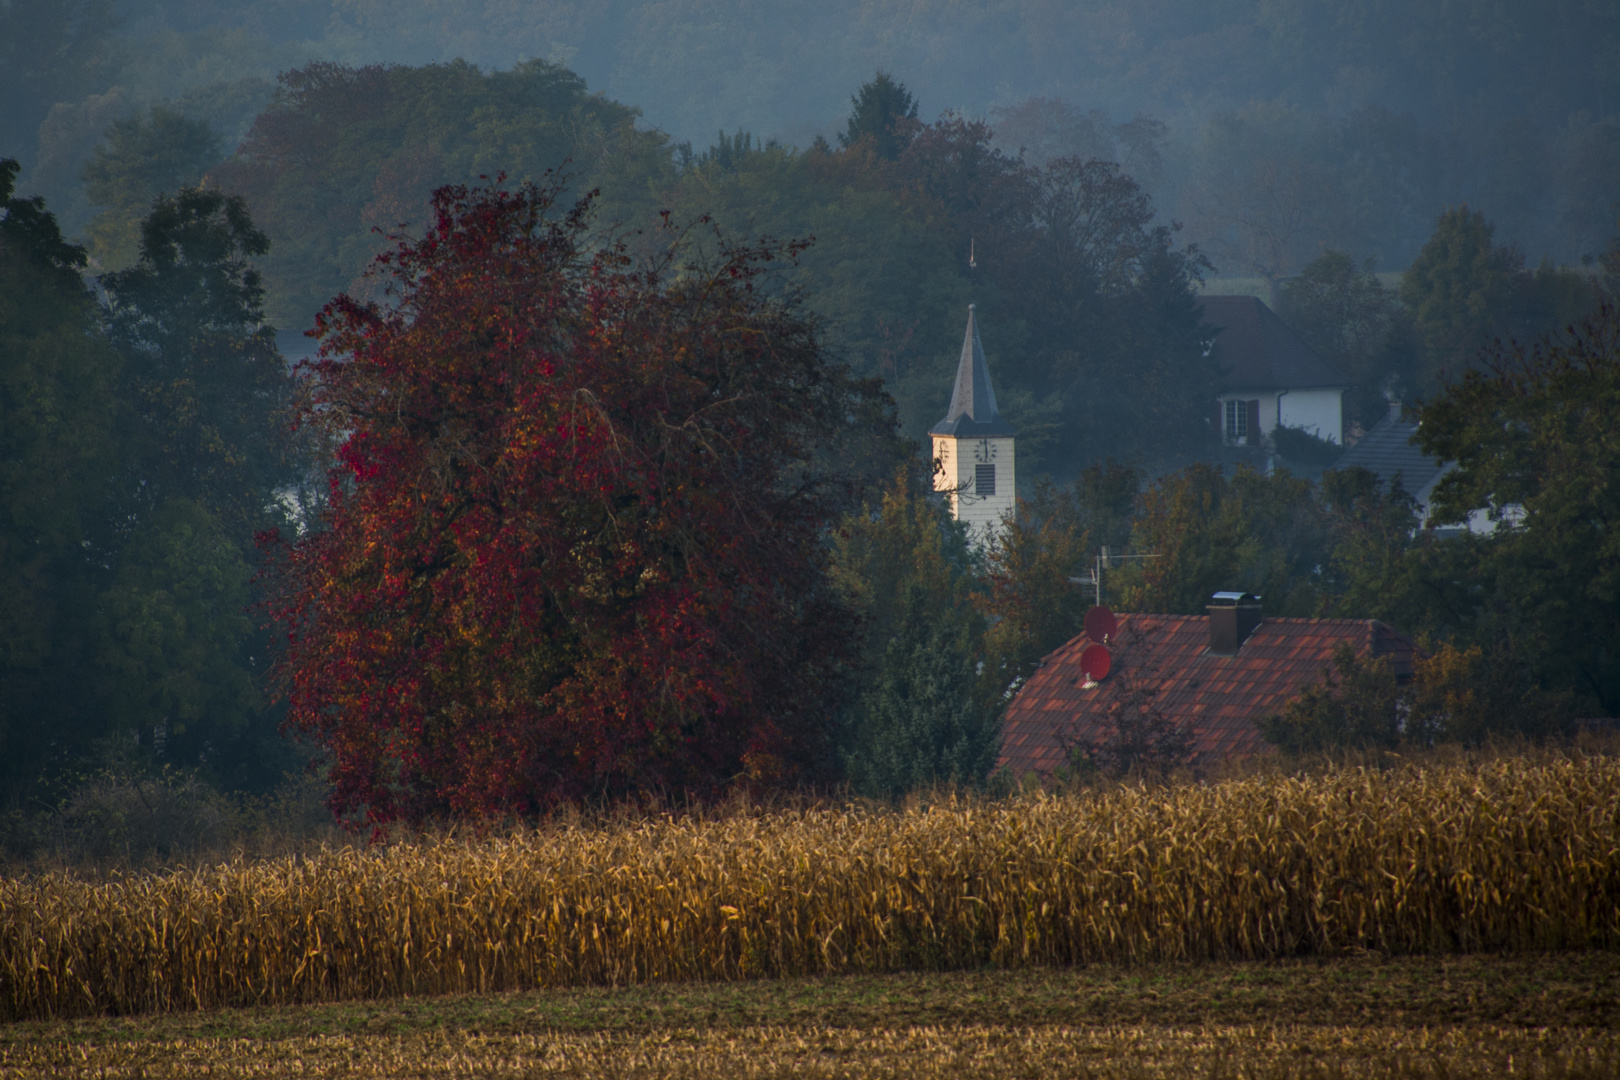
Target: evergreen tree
x,y
1262,534
1456,291
922,722
343,156
175,639
883,111
921,716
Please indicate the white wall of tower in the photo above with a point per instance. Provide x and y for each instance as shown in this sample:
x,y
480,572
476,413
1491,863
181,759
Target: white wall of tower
x,y
958,478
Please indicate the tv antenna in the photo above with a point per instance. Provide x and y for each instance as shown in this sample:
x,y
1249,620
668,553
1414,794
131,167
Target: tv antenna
x,y
1105,560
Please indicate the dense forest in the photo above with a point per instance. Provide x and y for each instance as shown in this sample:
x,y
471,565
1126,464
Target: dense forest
x,y
1311,124
187,186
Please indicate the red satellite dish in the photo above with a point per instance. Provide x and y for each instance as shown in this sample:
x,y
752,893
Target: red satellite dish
x,y
1100,624
1096,663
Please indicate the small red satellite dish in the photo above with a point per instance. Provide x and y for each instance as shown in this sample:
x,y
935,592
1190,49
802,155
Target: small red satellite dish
x,y
1100,624
1096,663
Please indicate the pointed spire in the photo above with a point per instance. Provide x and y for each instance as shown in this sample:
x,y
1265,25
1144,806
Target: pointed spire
x,y
973,395
973,401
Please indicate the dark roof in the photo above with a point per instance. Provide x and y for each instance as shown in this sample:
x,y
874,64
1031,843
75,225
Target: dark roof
x,y
1387,449
1167,657
972,412
1259,351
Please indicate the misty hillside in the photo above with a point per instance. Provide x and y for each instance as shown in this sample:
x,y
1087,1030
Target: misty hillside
x,y
787,68
1389,112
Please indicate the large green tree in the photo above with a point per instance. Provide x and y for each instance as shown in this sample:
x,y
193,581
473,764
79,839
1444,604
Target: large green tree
x,y
1209,532
50,53
880,275
344,156
175,641
1534,437
1344,312
1464,293
129,503
1263,194
920,720
1114,331
1457,291
144,156
205,458
201,364
59,420
1090,316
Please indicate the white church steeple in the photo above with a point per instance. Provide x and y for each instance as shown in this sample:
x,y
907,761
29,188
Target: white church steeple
x,y
974,446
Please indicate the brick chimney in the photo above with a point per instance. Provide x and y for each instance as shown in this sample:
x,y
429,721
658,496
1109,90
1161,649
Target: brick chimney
x,y
1233,616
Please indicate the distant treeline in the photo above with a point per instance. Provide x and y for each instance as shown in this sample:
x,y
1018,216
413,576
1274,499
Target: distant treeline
x,y
1042,217
1349,125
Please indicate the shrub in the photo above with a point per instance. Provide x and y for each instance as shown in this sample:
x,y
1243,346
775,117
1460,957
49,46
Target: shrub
x,y
1300,447
1456,695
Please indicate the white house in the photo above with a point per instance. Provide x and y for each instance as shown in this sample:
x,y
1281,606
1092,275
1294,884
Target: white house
x,y
974,446
1272,377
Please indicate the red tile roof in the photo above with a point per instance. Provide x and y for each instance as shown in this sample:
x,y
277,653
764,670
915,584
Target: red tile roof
x,y
1168,658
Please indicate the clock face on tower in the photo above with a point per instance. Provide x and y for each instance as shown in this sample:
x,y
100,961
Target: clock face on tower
x,y
984,450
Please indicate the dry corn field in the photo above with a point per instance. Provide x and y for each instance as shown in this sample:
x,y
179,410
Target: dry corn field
x,y
1509,855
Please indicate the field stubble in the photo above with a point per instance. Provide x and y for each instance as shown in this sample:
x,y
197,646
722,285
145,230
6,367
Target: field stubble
x,y
1471,1016
993,1053
1505,855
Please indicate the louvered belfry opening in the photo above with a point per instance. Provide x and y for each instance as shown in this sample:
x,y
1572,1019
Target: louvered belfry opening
x,y
1233,616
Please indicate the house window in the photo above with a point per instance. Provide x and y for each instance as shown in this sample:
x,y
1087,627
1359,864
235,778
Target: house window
x,y
1237,421
984,479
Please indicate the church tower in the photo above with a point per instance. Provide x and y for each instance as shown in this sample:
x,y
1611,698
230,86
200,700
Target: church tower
x,y
975,446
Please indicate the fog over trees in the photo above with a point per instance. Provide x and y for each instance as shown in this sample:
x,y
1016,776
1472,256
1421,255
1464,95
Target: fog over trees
x,y
1273,131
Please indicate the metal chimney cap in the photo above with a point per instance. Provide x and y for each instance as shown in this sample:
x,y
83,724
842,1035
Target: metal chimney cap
x,y
1232,599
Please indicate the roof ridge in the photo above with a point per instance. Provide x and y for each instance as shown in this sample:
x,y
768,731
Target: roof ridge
x,y
1260,349
1219,698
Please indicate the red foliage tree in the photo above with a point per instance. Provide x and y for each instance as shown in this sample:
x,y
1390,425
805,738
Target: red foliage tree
x,y
574,544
